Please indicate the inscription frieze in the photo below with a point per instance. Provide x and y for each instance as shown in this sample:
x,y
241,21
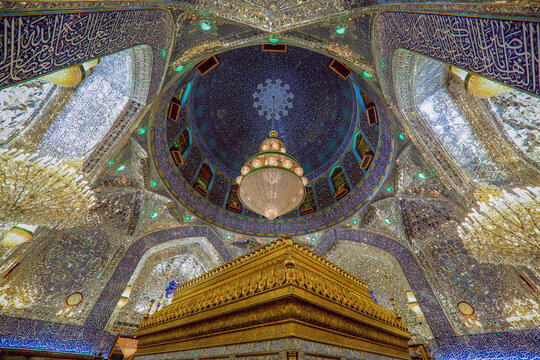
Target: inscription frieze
x,y
34,45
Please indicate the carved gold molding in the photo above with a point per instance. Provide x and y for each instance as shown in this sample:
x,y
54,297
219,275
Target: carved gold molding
x,y
277,291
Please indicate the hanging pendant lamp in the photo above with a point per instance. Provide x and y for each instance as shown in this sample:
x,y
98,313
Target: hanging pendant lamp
x,y
271,183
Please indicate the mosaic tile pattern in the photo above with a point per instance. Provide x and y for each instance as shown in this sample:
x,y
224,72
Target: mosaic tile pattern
x,y
219,190
158,271
193,160
433,312
495,48
421,215
351,166
524,344
71,261
20,104
324,193
448,122
503,345
384,278
22,333
357,36
180,186
519,115
175,128
88,339
71,42
104,306
89,116
230,128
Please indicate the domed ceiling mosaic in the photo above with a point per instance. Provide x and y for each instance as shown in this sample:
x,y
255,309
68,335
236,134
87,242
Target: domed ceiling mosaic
x,y
228,111
233,107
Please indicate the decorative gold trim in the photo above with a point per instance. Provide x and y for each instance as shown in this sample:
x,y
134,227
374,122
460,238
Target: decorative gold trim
x,y
281,290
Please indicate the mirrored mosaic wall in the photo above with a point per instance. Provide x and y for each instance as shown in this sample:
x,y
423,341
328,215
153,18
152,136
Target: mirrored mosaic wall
x,y
403,242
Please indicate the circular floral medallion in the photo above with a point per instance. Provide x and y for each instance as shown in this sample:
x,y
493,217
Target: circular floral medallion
x,y
465,309
74,299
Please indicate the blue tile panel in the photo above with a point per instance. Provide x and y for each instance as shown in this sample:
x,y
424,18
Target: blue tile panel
x,y
324,193
219,190
180,186
193,161
351,165
313,108
48,42
505,50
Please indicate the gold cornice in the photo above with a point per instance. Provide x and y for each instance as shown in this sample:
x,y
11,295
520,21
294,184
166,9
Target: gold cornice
x,y
277,291
271,250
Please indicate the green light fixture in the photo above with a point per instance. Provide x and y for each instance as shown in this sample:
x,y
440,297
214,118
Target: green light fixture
x,y
111,162
273,38
180,68
188,218
154,215
121,168
228,237
163,53
401,136
142,131
367,75
387,220
205,26
422,176
341,29
313,239
355,222
154,183
389,189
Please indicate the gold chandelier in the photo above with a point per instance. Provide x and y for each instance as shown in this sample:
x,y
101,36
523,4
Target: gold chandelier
x,y
42,192
271,183
479,86
504,227
71,76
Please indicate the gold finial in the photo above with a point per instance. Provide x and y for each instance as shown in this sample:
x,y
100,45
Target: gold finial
x,y
147,316
273,133
398,316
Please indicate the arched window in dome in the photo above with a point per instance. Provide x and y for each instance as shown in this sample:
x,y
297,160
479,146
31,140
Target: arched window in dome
x,y
233,201
363,151
204,179
339,183
371,109
181,146
177,102
308,206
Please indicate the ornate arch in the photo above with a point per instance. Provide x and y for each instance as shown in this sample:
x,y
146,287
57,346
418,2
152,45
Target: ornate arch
x,y
90,338
509,344
439,324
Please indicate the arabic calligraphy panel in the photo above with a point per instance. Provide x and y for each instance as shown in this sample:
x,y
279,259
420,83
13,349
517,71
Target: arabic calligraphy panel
x,y
34,45
505,50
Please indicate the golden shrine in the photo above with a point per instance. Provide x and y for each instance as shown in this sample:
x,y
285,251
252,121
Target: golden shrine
x,y
281,301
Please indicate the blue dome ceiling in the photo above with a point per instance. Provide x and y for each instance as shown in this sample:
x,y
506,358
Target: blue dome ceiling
x,y
232,108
